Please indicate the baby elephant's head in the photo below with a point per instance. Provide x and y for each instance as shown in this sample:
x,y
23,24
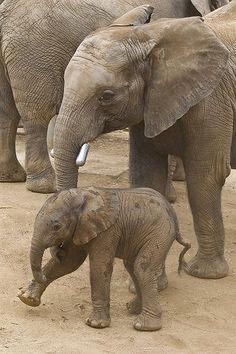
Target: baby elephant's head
x,y
73,215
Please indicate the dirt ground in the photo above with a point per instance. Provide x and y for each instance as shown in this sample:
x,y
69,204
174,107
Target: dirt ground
x,y
199,316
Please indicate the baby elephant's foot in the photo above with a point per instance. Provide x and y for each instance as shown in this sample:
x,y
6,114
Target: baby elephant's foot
x,y
147,322
134,306
98,319
31,296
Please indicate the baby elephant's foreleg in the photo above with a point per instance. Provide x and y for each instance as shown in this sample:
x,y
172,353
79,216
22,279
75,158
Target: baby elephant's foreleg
x,y
101,267
63,262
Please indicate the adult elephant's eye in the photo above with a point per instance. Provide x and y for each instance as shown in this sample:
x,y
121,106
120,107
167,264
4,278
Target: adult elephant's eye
x,y
56,226
107,96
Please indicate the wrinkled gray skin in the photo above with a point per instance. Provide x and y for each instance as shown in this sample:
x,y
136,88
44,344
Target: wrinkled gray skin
x,y
172,81
175,173
38,38
136,225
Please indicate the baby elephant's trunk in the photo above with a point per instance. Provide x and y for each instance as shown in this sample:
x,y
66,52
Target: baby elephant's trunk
x,y
182,263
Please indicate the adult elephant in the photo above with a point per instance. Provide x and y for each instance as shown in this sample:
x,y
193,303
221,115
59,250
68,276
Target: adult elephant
x,y
173,82
38,38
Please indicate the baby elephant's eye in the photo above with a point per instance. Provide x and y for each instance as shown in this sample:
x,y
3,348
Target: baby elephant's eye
x,y
107,96
56,226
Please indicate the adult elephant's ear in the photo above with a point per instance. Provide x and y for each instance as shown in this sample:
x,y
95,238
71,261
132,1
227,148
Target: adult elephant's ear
x,y
186,62
206,6
137,16
98,213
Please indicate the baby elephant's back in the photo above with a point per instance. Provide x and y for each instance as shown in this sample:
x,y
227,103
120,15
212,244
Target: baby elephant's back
x,y
148,210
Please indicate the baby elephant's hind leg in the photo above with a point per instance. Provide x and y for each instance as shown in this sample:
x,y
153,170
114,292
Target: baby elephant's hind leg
x,y
147,270
162,281
134,306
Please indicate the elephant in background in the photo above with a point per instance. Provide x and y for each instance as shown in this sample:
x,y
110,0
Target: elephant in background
x,y
172,82
136,225
33,57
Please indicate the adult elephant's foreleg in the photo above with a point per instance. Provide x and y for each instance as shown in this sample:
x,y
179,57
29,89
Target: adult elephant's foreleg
x,y
10,168
204,182
40,174
147,167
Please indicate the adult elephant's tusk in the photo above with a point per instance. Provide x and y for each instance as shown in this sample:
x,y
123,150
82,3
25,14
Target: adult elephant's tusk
x,y
81,158
52,153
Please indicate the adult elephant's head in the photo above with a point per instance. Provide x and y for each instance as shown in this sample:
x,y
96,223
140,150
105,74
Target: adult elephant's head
x,y
126,73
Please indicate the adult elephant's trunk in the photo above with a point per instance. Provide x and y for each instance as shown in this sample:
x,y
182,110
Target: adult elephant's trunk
x,y
36,256
73,129
66,149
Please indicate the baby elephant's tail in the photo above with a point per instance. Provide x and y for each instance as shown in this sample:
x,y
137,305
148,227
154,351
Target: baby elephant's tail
x,y
187,246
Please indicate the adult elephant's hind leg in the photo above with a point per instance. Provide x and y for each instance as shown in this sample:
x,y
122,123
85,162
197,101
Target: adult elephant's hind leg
x,y
204,181
10,168
40,174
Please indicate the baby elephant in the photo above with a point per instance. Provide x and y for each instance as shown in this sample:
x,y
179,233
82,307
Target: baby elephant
x,y
137,225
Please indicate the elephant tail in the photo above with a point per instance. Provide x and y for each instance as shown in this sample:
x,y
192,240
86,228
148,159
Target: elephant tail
x,y
182,263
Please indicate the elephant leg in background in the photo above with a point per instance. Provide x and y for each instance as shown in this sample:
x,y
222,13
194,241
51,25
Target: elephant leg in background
x,y
204,182
70,261
147,167
40,173
147,269
50,132
170,190
179,173
10,168
175,173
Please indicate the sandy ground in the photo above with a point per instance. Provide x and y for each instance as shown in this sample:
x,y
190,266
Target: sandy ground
x,y
199,316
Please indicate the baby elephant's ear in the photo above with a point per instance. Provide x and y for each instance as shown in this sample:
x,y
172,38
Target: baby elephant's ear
x,y
99,212
137,16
